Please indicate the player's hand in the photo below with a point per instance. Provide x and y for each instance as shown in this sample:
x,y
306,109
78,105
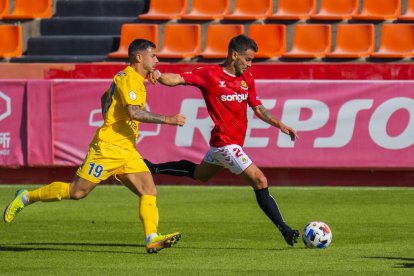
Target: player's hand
x,y
289,131
176,120
153,76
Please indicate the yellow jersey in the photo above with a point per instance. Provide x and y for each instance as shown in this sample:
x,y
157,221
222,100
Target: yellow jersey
x,y
127,88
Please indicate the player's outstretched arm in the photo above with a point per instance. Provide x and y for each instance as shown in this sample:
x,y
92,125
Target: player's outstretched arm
x,y
142,115
267,117
168,79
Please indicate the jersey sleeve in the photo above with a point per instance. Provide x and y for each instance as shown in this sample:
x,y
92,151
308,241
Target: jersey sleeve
x,y
131,92
198,77
253,99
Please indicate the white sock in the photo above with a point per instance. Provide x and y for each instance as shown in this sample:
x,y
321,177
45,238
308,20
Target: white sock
x,y
150,237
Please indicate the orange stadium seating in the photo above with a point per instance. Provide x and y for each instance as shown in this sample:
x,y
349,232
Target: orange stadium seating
x,y
409,13
4,7
208,10
353,41
336,10
24,9
11,41
108,30
270,38
181,41
251,10
294,9
165,10
310,41
397,41
379,10
218,37
130,32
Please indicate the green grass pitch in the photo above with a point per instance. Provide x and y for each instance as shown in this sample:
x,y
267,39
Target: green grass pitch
x,y
223,230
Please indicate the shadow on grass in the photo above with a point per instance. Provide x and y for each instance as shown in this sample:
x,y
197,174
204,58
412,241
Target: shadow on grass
x,y
241,248
40,247
408,262
84,244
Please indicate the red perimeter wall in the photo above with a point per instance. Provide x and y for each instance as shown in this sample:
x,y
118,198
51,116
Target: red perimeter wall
x,y
303,71
285,177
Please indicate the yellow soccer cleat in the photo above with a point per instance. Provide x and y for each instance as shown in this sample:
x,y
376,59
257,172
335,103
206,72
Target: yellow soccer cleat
x,y
162,241
15,206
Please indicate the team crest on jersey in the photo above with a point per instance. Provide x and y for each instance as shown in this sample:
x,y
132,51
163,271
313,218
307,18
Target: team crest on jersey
x,y
244,160
222,83
243,85
132,95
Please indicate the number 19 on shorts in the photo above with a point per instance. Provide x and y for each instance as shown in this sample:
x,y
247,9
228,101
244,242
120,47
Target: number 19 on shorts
x,y
95,169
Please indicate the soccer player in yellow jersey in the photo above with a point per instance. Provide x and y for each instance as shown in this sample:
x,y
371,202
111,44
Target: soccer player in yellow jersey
x,y
112,150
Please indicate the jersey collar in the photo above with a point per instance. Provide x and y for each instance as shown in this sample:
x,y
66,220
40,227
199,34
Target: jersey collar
x,y
227,73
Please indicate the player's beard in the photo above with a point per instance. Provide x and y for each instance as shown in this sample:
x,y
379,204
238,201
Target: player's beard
x,y
240,71
239,68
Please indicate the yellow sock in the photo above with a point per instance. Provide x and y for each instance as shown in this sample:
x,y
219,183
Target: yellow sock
x,y
55,191
148,213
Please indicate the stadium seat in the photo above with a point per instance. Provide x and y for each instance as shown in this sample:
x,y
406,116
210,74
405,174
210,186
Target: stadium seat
x,y
409,13
270,38
397,41
294,9
181,41
24,9
218,37
208,10
165,10
4,7
379,10
310,41
353,41
130,32
251,10
11,41
336,10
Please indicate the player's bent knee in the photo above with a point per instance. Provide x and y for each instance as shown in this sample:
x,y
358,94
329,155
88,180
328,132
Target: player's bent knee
x,y
78,194
148,191
260,182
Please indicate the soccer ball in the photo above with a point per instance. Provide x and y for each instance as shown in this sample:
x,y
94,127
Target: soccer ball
x,y
317,234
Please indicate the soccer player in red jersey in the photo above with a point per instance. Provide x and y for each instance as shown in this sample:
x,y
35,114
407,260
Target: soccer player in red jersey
x,y
227,90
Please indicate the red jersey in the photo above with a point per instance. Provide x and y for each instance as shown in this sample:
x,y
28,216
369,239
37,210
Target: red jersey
x,y
226,97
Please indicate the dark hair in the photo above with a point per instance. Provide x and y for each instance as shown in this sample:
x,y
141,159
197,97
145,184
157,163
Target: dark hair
x,y
138,45
242,43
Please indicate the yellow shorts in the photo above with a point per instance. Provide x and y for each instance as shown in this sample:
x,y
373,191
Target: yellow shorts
x,y
105,159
